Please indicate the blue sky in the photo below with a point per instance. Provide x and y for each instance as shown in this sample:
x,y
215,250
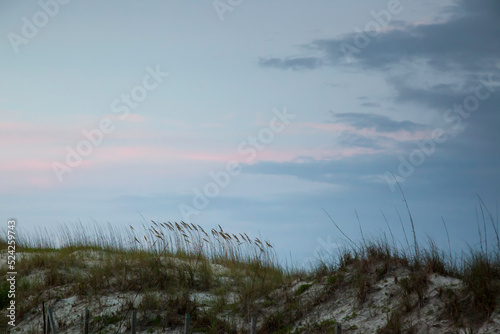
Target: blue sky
x,y
254,115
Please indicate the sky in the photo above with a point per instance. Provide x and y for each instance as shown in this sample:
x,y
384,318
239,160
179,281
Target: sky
x,y
255,115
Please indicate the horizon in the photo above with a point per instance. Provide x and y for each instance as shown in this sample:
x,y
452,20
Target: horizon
x,y
256,116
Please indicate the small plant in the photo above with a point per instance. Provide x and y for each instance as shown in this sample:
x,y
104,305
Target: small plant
x,y
416,283
278,322
451,300
325,326
362,284
351,316
335,280
303,288
105,320
394,324
481,277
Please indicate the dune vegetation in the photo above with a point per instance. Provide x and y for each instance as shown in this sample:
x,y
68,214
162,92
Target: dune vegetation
x,y
169,269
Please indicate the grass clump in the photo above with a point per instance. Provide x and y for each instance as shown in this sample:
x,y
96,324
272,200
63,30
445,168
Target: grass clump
x,y
303,288
481,278
394,324
166,259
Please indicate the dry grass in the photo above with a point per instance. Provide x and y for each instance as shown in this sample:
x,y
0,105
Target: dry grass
x,y
167,262
172,258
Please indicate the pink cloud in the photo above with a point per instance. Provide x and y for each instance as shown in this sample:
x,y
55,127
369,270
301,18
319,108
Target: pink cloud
x,y
158,154
24,165
44,143
164,154
26,175
32,134
38,173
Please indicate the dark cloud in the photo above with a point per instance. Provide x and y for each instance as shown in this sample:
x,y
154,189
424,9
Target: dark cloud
x,y
453,172
338,85
442,97
382,124
481,123
345,171
300,63
467,43
468,40
465,46
349,139
481,8
463,177
370,104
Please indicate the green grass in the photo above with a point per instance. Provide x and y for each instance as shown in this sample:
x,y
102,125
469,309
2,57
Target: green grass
x,y
303,288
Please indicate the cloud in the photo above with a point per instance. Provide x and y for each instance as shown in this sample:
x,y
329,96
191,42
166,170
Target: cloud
x,y
381,124
466,41
481,8
338,84
432,64
357,140
366,173
297,63
370,104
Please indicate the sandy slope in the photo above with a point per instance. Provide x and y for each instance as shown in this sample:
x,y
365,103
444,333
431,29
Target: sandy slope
x,y
319,303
